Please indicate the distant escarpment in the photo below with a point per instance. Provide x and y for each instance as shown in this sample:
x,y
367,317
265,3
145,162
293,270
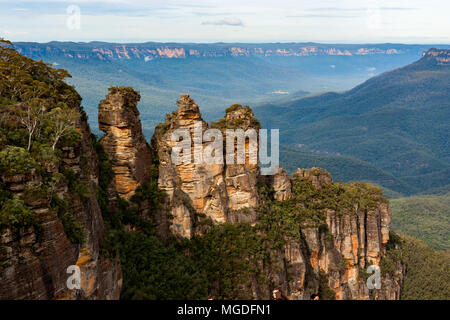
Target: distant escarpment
x,y
153,50
439,56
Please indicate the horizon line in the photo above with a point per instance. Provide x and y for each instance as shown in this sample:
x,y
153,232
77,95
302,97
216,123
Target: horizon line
x,y
237,42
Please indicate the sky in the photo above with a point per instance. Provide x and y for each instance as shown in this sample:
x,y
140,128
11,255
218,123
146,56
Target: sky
x,y
344,21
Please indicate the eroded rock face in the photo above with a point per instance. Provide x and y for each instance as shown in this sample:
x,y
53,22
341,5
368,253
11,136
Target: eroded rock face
x,y
241,179
317,176
189,187
438,56
220,192
352,243
34,264
281,185
229,193
124,142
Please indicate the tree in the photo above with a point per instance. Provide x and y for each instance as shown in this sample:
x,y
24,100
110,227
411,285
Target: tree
x,y
15,160
31,117
63,120
4,115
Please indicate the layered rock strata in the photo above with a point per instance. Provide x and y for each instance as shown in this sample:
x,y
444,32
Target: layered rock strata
x,y
129,153
34,262
218,191
343,251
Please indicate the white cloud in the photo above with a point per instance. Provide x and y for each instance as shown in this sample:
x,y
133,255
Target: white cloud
x,y
12,33
234,22
346,21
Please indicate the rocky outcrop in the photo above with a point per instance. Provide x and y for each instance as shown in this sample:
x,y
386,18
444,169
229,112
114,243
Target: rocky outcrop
x,y
218,191
190,187
343,250
329,249
335,253
440,57
34,260
123,141
241,179
281,185
317,176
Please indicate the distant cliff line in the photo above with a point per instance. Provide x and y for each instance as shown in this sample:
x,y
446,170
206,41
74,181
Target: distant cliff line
x,y
155,50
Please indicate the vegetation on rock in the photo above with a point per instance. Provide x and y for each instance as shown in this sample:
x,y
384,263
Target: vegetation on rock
x,y
38,115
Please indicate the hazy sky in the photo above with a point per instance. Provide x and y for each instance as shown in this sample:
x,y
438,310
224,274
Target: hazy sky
x,y
344,21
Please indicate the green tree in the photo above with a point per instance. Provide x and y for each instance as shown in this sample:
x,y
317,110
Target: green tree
x,y
63,120
31,116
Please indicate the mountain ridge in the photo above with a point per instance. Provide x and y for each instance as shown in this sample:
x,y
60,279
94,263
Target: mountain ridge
x,y
398,120
242,71
151,50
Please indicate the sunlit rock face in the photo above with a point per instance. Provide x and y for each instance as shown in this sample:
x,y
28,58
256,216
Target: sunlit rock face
x,y
281,185
190,187
228,193
343,250
218,191
124,142
438,56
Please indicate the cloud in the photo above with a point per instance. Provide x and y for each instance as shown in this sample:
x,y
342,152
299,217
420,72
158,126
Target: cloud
x,y
360,9
321,16
10,33
398,8
335,12
234,22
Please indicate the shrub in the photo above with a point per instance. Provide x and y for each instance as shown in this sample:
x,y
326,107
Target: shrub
x,y
80,188
325,292
73,230
16,160
35,194
16,215
46,156
128,92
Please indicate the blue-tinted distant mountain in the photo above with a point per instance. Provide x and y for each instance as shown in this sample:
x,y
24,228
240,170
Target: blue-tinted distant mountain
x,y
216,75
398,121
343,168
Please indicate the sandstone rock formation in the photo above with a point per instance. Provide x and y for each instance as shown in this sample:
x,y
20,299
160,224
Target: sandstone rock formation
x,y
220,192
334,253
438,56
317,176
337,253
124,142
359,240
342,249
281,185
